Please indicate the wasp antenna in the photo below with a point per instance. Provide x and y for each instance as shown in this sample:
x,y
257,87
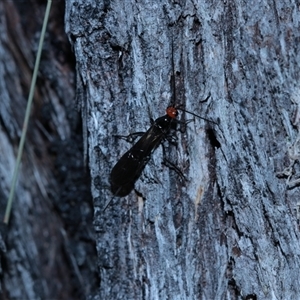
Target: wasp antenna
x,y
205,119
173,84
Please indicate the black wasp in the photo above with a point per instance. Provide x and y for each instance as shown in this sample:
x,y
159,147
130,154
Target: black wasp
x,y
130,166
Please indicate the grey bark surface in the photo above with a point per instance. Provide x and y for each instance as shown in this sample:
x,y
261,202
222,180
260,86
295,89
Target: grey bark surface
x,y
230,230
47,250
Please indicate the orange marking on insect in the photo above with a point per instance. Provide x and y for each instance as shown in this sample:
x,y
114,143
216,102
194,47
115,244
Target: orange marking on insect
x,y
172,112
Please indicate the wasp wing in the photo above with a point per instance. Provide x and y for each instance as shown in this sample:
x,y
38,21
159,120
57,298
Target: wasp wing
x,y
130,166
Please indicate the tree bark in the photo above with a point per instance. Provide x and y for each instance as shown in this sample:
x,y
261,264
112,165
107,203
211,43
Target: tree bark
x,y
229,231
49,251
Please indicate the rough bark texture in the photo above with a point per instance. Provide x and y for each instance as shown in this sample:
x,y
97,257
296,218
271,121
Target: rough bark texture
x,y
49,251
229,231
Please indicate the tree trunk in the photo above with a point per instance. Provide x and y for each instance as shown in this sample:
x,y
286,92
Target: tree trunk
x,y
229,230
49,251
